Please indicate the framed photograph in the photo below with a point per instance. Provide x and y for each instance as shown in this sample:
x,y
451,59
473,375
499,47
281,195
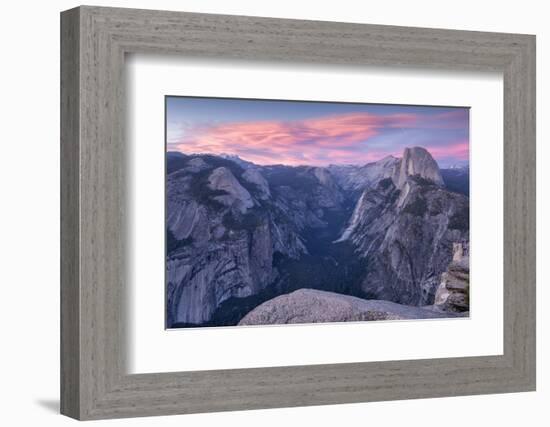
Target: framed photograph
x,y
283,212
263,213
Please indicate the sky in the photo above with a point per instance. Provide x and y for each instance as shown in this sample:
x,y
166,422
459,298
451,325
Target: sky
x,y
314,133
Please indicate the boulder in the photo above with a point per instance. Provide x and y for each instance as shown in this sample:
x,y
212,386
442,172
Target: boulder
x,y
453,293
314,306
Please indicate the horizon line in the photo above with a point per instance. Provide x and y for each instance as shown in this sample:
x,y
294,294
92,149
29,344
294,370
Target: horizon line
x,y
229,155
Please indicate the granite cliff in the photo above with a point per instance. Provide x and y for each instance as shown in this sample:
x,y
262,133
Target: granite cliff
x,y
404,228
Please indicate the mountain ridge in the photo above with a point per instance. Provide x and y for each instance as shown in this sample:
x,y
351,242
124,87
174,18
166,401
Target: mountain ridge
x,y
244,233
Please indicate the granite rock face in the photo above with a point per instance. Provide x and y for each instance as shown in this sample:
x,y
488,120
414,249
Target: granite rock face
x,y
453,293
417,161
225,224
404,229
314,306
254,176
223,181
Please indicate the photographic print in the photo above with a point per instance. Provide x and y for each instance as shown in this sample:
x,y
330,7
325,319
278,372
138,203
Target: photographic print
x,y
283,212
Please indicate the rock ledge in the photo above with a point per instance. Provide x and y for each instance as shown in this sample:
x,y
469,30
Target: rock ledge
x,y
314,306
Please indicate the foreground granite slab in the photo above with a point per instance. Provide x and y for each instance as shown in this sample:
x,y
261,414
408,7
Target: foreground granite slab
x,y
314,306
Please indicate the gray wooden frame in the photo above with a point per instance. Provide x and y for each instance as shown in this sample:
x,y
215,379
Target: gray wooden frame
x,y
94,41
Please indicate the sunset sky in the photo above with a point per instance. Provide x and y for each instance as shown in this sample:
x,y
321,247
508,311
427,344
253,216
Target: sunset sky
x,y
314,133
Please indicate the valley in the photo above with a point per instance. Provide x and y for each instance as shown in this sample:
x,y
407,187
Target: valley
x,y
240,234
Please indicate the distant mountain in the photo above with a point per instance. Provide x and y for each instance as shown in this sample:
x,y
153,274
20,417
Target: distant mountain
x,y
355,178
240,234
457,179
457,166
175,160
241,162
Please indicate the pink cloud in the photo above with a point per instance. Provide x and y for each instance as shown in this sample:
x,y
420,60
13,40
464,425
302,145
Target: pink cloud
x,y
311,141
